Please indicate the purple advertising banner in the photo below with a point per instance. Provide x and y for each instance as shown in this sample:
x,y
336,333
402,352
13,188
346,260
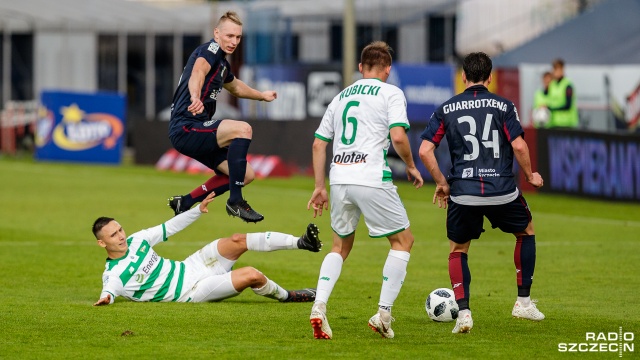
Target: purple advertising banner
x,y
598,165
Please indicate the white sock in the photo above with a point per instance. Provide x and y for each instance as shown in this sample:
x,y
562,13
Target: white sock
x,y
524,301
329,274
272,290
393,274
271,241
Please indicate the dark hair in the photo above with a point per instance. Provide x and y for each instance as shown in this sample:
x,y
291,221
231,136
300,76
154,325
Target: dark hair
x,y
376,54
100,223
477,67
558,63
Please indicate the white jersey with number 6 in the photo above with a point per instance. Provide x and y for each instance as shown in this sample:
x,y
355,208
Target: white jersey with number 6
x,y
358,121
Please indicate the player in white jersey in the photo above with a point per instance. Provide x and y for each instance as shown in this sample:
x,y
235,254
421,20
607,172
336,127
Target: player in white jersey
x,y
362,121
135,271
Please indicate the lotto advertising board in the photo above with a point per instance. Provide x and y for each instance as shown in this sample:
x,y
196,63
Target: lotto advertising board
x,y
305,91
80,127
596,165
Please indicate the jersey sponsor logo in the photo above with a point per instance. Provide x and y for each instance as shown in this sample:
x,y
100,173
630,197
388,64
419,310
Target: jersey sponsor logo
x,y
467,173
488,173
474,104
207,123
350,159
213,47
147,268
214,94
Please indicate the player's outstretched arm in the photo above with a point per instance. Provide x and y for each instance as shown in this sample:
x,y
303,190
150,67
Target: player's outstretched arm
x,y
521,152
103,301
238,88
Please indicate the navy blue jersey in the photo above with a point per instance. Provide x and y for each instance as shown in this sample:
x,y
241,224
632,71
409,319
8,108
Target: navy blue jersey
x,y
218,75
479,127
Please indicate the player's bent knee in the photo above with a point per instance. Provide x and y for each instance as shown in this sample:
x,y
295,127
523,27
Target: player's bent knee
x,y
244,130
249,176
254,276
239,239
247,277
403,240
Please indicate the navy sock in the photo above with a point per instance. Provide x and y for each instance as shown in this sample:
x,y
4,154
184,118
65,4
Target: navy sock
x,y
237,159
524,257
460,278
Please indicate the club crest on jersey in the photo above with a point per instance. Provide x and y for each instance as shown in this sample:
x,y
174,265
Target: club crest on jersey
x,y
213,47
467,173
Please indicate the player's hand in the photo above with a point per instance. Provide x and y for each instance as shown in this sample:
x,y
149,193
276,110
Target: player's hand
x,y
414,173
269,95
318,200
441,195
103,301
196,107
536,180
205,202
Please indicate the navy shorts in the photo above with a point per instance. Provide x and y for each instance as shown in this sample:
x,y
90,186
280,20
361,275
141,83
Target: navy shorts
x,y
198,140
464,222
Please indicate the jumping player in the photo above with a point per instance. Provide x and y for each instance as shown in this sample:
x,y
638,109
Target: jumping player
x,y
484,134
221,145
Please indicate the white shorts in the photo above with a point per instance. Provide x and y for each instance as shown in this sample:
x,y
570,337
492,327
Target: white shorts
x,y
209,276
383,211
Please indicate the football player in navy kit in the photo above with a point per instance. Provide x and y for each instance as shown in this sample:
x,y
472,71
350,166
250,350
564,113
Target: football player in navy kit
x,y
222,144
484,134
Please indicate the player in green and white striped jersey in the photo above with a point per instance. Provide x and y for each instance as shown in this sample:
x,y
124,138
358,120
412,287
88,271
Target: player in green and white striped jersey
x,y
135,271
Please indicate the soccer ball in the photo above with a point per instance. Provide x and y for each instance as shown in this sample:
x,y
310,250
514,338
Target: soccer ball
x,y
541,116
441,305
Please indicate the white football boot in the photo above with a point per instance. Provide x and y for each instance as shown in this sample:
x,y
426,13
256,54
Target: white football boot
x,y
319,323
377,324
464,323
530,312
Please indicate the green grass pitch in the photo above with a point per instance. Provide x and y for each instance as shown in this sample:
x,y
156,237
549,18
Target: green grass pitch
x,y
586,277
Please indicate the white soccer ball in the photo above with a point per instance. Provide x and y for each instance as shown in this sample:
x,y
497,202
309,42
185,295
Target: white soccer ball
x,y
541,116
441,305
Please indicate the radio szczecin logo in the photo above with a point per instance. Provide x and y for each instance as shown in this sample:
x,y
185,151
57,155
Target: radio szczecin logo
x,y
613,342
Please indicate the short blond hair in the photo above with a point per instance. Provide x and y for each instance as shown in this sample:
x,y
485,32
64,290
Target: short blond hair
x,y
229,16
